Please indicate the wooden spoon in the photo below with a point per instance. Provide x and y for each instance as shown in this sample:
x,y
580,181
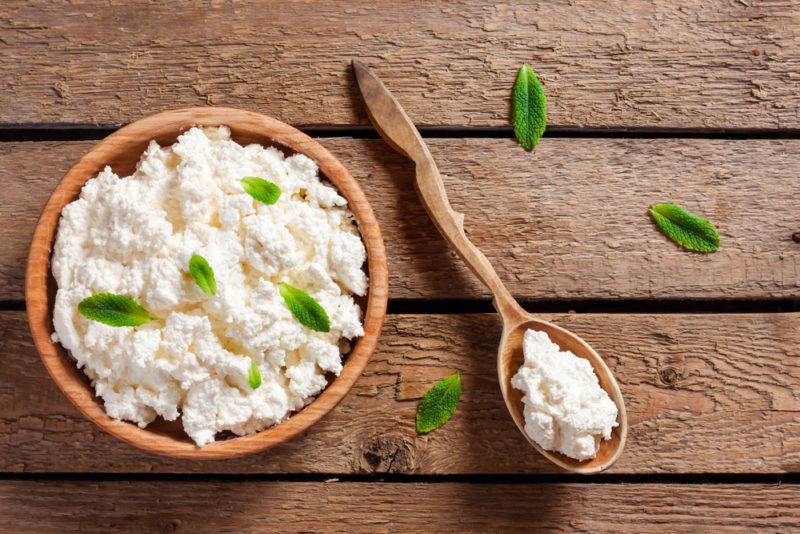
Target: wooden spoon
x,y
398,131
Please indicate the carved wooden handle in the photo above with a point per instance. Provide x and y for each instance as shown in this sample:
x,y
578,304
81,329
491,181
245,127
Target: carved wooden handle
x,y
450,223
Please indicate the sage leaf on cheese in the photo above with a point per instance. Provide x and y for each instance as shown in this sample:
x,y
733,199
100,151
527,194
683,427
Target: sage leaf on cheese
x,y
261,189
203,274
689,231
439,404
304,308
113,310
529,111
254,376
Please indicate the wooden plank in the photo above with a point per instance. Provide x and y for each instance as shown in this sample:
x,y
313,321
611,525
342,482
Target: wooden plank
x,y
684,64
264,506
566,222
704,393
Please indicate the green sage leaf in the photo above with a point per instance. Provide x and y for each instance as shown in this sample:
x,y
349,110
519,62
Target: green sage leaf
x,y
254,376
439,404
689,231
304,308
529,111
203,274
261,189
113,310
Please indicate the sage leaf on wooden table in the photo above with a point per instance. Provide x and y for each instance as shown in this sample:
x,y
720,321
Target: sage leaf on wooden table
x,y
203,274
261,189
254,376
304,308
113,310
439,404
529,111
689,231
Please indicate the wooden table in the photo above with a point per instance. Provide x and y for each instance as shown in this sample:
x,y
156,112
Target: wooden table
x,y
692,102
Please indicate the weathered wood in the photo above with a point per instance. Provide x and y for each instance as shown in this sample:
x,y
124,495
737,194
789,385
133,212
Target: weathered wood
x,y
705,393
263,506
685,64
568,221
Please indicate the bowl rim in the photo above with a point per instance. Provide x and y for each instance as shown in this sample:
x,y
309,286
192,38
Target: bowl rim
x,y
169,124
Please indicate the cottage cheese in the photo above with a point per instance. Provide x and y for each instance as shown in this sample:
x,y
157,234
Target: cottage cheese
x,y
566,410
135,235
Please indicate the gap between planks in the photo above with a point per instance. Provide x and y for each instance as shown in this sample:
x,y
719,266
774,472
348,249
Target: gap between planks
x,y
10,133
508,479
465,306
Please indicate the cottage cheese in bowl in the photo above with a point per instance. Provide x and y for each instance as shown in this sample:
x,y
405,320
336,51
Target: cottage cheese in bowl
x,y
134,236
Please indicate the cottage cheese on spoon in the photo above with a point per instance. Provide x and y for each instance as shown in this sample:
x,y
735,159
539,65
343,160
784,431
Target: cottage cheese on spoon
x,y
566,410
134,236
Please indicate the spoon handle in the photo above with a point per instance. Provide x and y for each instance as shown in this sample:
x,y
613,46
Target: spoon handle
x,y
396,128
450,223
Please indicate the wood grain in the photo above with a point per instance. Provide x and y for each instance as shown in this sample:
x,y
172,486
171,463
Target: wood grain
x,y
568,221
121,151
704,393
617,64
264,506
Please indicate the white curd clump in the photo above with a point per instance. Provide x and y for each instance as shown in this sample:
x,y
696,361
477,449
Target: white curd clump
x,y
566,410
134,236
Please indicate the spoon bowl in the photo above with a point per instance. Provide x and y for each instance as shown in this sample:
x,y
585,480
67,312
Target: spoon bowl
x,y
510,358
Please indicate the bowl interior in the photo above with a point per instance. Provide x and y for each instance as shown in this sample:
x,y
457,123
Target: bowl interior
x,y
122,151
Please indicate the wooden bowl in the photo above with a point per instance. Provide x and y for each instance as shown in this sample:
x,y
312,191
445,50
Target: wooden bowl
x,y
121,150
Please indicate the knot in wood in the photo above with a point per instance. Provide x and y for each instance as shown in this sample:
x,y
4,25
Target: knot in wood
x,y
171,526
387,453
668,375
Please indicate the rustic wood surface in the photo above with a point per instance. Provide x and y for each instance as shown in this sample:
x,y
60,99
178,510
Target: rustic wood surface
x,y
704,393
619,64
568,221
264,506
713,399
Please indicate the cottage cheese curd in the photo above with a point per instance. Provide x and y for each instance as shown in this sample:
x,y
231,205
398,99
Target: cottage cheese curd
x,y
566,410
135,235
